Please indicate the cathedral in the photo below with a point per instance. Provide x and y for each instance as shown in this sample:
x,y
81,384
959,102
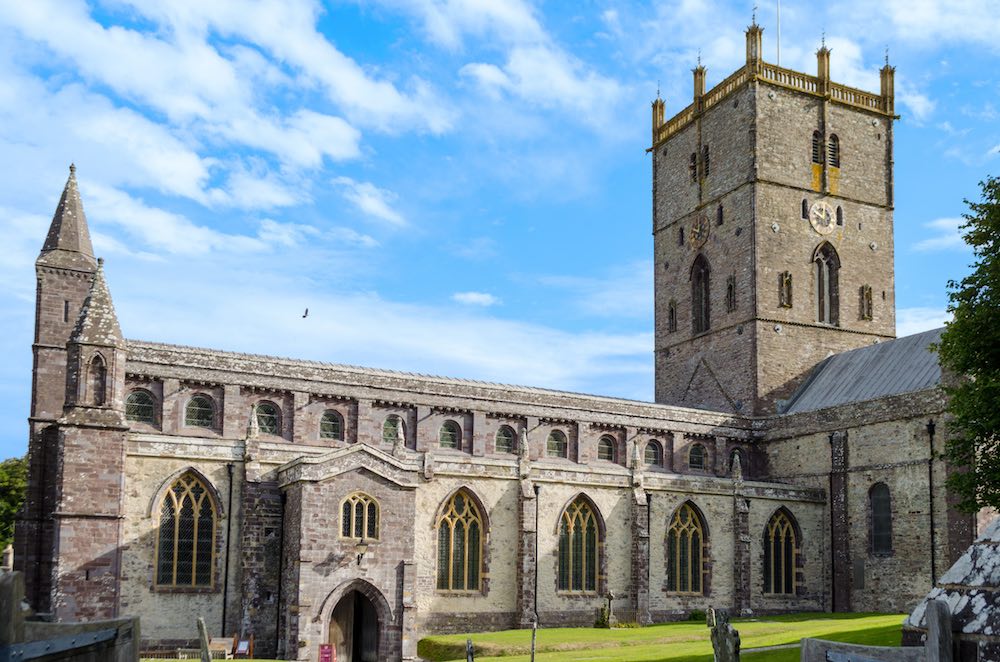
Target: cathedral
x,y
789,462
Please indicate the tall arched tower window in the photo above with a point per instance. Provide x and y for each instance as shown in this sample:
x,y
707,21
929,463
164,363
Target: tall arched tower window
x,y
685,540
578,548
460,545
186,539
781,551
833,151
700,294
97,381
817,148
827,267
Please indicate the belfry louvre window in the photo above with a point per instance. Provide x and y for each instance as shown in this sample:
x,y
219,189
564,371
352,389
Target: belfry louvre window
x,y
268,418
827,268
700,294
833,151
140,407
578,548
359,517
186,538
685,539
450,436
505,439
606,449
331,425
556,445
781,551
817,148
705,162
696,457
200,412
652,455
693,167
460,545
880,503
392,429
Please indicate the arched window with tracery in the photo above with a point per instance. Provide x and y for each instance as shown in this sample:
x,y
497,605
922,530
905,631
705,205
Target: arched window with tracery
x,y
460,545
504,442
685,551
450,435
880,505
606,449
140,407
652,455
781,550
359,515
331,425
696,457
826,264
200,412
833,151
700,294
97,381
185,552
579,547
268,418
557,445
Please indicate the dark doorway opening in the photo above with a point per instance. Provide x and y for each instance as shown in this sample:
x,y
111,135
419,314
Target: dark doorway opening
x,y
354,629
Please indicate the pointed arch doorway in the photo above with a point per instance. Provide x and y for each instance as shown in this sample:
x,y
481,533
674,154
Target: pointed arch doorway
x,y
355,628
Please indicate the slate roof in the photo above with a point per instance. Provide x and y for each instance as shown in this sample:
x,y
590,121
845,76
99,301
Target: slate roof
x,y
903,365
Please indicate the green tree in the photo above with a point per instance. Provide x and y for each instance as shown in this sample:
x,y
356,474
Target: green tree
x,y
970,348
13,483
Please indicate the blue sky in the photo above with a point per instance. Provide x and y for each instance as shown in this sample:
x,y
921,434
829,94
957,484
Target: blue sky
x,y
453,187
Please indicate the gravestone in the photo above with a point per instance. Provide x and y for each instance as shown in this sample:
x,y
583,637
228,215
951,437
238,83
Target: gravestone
x,y
725,638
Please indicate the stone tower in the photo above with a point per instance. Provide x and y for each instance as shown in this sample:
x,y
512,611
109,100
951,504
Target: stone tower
x,y
772,226
68,535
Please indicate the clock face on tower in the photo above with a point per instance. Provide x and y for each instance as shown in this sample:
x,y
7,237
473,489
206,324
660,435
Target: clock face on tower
x,y
821,217
699,231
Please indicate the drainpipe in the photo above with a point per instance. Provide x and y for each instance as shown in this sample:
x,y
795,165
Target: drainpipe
x,y
229,542
930,496
649,550
537,489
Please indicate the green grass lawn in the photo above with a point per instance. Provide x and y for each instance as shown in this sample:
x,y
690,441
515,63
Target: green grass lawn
x,y
668,642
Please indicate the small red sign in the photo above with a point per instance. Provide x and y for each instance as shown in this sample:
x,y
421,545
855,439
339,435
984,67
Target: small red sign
x,y
327,653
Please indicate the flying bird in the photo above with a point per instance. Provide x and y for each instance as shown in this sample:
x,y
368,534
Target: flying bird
x,y
305,314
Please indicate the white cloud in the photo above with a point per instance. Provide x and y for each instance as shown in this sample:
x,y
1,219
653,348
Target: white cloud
x,y
475,298
947,236
623,292
917,319
993,151
371,200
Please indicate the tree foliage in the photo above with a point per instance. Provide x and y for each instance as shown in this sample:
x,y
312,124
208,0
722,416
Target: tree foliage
x,y
13,483
970,348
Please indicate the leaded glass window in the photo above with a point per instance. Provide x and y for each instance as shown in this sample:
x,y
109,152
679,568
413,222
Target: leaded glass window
x,y
450,435
606,449
140,407
780,555
556,445
268,418
685,551
331,425
200,412
186,537
359,515
827,267
578,548
392,429
652,455
881,519
696,457
460,545
505,439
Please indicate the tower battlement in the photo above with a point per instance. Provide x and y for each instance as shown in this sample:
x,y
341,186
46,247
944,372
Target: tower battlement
x,y
756,69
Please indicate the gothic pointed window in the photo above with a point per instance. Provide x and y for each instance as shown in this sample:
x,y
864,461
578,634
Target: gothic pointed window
x,y
840,215
817,148
880,507
557,445
785,289
685,552
672,316
392,429
826,265
696,457
781,549
504,441
606,449
185,551
833,151
200,412
731,293
450,435
359,515
268,418
652,454
331,425
140,407
700,294
460,545
97,381
579,546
